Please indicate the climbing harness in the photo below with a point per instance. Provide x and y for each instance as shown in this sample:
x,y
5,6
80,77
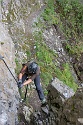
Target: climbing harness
x,y
2,58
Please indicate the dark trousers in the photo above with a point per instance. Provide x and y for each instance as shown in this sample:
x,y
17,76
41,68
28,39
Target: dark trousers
x,y
37,84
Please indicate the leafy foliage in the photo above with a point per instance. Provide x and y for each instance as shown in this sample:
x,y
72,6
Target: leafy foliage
x,y
45,58
49,14
18,66
71,16
77,49
66,76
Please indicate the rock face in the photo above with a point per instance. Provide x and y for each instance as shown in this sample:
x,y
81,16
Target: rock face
x,y
19,17
9,97
14,29
67,106
78,66
72,113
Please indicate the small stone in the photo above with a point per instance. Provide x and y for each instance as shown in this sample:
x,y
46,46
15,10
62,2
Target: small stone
x,y
80,120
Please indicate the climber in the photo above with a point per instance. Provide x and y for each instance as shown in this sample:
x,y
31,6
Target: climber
x,y
31,72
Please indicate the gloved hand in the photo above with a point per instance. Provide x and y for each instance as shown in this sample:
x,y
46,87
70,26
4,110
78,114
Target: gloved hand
x,y
20,85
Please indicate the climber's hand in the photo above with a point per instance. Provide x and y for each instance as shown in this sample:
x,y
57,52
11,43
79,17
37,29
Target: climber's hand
x,y
20,85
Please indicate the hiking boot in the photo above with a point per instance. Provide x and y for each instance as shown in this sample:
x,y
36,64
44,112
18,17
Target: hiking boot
x,y
43,102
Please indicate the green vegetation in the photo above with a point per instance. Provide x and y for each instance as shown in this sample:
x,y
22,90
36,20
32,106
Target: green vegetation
x,y
46,60
1,0
71,16
68,15
77,49
49,14
18,66
66,76
45,56
2,43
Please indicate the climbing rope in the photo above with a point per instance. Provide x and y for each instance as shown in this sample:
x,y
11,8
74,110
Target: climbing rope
x,y
2,58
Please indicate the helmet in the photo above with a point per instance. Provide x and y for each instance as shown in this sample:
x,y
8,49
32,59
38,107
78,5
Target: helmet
x,y
32,68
